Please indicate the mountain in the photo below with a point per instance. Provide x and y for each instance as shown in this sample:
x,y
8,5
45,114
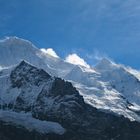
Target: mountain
x,y
42,96
33,103
17,49
109,86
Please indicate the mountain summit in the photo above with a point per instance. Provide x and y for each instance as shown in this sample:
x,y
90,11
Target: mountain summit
x,y
62,100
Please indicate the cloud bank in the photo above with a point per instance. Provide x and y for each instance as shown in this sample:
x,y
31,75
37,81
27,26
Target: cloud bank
x,y
50,51
75,59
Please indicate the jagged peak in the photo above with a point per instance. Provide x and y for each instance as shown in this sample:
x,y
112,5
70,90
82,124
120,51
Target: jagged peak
x,y
24,72
26,67
106,64
106,61
25,63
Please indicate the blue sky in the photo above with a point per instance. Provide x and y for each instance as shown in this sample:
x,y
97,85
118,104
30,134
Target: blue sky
x,y
90,28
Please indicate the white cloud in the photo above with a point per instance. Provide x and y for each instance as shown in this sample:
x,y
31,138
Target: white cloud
x,y
50,51
75,59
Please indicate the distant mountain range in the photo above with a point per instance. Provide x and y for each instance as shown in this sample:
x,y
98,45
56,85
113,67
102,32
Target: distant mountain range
x,y
44,97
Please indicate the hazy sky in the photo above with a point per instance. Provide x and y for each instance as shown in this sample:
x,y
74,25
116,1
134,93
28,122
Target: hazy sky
x,y
90,28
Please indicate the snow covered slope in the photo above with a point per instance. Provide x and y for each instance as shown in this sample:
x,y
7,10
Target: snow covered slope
x,y
110,87
107,86
13,50
121,80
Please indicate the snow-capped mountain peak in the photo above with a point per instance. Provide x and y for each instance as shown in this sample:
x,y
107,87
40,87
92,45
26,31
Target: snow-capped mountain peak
x,y
14,41
13,50
104,77
29,82
106,64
